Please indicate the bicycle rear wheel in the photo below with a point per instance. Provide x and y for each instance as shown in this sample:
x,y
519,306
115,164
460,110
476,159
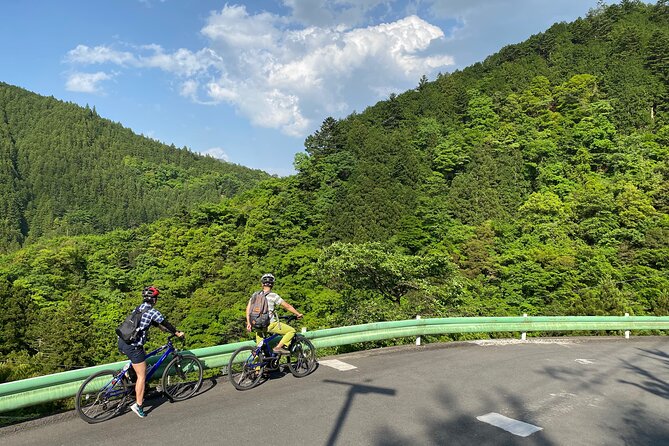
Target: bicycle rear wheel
x,y
245,368
182,377
101,396
302,360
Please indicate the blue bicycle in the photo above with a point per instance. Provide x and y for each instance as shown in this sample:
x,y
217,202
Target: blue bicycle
x,y
248,364
104,393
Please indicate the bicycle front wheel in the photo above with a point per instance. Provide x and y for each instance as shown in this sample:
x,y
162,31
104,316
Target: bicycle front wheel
x,y
182,377
101,396
245,368
302,360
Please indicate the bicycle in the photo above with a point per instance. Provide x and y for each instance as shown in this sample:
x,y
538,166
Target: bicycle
x,y
248,363
103,394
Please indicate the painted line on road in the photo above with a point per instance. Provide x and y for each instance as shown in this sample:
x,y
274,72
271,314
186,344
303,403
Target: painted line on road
x,y
584,361
516,427
337,364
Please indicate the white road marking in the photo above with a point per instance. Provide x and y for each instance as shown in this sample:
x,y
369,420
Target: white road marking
x,y
516,427
496,342
584,361
337,364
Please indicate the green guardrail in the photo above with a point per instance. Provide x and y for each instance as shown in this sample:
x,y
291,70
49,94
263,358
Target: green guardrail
x,y
42,389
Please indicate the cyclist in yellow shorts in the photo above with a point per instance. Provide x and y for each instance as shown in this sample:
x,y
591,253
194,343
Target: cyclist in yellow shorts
x,y
275,326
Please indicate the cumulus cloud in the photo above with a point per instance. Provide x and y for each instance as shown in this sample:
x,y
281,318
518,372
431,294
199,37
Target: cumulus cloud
x,y
181,62
86,55
286,78
86,82
290,72
217,152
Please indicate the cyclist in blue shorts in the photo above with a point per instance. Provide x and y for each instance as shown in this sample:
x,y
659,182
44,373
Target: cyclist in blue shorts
x,y
135,350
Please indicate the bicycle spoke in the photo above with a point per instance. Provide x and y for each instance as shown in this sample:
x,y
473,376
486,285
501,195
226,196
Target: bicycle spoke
x,y
245,368
302,357
182,377
101,396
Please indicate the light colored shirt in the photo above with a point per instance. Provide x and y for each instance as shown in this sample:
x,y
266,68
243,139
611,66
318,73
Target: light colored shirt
x,y
273,300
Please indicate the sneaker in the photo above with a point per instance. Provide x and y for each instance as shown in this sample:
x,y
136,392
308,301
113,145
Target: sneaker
x,y
280,351
138,410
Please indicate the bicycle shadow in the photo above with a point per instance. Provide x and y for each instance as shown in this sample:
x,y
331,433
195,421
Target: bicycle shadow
x,y
155,398
283,371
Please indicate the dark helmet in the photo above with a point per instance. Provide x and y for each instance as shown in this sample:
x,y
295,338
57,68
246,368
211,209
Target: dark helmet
x,y
150,293
267,280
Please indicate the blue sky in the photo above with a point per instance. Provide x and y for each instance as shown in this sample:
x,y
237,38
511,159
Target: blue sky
x,y
247,81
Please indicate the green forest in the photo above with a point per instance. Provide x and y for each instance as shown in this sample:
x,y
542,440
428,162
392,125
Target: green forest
x,y
532,182
66,171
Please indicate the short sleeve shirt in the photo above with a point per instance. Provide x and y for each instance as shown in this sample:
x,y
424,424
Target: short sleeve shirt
x,y
273,300
149,316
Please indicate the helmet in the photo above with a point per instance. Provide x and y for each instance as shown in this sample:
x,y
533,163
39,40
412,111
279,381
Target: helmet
x,y
267,279
149,293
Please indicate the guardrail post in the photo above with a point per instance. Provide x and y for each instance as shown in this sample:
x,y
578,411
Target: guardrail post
x,y
523,335
417,337
627,332
304,329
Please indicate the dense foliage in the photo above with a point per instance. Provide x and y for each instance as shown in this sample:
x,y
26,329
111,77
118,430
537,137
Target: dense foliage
x,y
534,182
66,171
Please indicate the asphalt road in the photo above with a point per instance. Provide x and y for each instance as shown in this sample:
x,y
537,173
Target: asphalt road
x,y
577,391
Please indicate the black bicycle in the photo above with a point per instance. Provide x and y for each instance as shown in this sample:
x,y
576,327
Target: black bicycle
x,y
249,364
104,393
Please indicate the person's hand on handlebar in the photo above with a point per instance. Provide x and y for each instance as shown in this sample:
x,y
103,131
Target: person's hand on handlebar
x,y
180,334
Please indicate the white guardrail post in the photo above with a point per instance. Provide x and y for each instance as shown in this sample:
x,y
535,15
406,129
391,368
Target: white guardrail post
x,y
523,335
417,337
627,332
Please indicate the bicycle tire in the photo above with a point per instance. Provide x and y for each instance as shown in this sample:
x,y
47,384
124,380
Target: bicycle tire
x,y
99,398
182,377
245,368
302,359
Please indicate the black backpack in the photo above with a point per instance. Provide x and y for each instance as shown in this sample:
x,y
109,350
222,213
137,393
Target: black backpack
x,y
259,313
128,330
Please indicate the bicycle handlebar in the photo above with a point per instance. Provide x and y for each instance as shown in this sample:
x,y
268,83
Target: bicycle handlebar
x,y
172,336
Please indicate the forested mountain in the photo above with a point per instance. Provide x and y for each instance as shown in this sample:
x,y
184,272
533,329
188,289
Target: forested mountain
x,y
65,170
533,182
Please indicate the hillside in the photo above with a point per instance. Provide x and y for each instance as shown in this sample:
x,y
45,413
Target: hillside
x,y
534,182
65,170
522,113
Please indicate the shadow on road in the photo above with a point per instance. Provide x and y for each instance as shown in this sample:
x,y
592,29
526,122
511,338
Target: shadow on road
x,y
454,426
156,398
354,389
651,383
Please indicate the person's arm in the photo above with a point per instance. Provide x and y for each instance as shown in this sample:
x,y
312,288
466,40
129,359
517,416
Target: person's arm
x,y
166,326
248,316
290,308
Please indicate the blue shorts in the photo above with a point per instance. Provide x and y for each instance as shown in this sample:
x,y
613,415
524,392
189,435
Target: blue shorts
x,y
135,353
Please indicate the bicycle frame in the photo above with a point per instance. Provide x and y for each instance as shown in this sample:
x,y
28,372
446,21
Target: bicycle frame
x,y
264,347
169,349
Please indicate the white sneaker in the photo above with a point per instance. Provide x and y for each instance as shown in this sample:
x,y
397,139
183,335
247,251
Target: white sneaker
x,y
138,410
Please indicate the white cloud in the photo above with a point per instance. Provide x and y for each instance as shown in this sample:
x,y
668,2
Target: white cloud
x,y
290,72
216,152
86,55
182,62
86,82
290,78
